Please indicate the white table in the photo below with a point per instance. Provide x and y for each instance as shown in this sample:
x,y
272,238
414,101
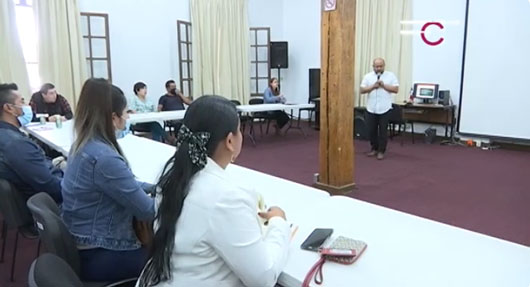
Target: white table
x,y
272,107
156,116
178,115
58,139
403,250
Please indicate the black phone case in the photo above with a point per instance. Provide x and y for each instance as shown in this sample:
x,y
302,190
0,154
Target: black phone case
x,y
305,245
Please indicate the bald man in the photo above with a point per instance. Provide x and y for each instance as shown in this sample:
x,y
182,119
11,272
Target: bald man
x,y
379,85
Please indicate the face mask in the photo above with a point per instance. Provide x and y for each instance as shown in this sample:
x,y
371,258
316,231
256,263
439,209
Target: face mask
x,y
26,117
126,130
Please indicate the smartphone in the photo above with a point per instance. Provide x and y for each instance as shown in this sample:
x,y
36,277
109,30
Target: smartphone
x,y
316,239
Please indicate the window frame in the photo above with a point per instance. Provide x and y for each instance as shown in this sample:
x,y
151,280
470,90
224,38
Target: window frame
x,y
254,46
185,62
89,57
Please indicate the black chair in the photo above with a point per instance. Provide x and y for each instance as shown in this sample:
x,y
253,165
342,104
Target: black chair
x,y
54,233
16,215
139,129
260,116
172,126
50,270
397,119
309,110
244,119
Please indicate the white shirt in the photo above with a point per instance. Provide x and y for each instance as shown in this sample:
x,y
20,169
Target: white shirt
x,y
379,100
219,241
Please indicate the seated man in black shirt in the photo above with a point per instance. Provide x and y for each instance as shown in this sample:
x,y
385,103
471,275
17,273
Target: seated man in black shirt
x,y
173,100
47,101
22,162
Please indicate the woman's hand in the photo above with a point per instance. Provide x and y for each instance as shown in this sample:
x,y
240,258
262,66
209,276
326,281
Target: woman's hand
x,y
272,212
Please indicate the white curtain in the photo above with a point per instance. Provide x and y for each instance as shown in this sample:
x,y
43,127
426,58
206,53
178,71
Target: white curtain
x,y
12,63
61,53
378,35
220,48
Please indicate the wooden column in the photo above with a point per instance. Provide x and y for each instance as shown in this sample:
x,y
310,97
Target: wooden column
x,y
336,97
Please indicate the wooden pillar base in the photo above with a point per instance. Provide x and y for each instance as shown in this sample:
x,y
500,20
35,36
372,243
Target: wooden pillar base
x,y
335,190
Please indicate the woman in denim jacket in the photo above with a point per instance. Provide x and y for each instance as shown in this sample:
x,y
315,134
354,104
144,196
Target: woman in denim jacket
x,y
100,193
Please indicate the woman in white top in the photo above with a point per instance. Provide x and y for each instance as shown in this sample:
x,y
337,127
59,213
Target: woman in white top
x,y
208,231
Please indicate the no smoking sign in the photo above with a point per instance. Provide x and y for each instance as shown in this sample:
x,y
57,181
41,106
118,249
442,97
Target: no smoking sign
x,y
330,5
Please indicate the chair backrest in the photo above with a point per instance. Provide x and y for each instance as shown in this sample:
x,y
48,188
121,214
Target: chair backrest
x,y
53,232
255,101
396,114
13,205
236,102
50,270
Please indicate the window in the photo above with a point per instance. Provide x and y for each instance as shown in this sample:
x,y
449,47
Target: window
x,y
184,42
95,31
260,71
27,32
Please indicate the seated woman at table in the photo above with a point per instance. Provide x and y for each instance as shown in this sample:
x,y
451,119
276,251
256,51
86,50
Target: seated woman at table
x,y
140,104
208,231
100,193
272,96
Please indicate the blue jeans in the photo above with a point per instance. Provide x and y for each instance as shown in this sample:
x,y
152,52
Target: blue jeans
x,y
101,264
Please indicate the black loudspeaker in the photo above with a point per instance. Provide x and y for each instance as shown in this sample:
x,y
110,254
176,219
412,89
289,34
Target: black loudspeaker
x,y
360,127
444,97
279,55
314,84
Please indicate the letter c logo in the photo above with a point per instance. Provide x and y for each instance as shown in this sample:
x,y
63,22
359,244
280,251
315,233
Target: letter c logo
x,y
435,43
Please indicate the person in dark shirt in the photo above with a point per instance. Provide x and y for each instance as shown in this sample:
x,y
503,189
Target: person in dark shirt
x,y
22,162
47,101
173,100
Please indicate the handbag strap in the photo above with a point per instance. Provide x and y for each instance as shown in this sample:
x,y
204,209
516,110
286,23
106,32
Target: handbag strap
x,y
315,270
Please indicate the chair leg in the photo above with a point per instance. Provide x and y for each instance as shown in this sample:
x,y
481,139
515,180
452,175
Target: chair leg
x,y
412,131
4,239
400,133
13,260
261,127
38,248
268,126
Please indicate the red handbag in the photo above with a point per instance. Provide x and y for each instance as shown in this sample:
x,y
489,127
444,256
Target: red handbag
x,y
343,250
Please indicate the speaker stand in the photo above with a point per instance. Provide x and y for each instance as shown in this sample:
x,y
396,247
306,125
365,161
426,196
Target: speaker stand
x,y
279,77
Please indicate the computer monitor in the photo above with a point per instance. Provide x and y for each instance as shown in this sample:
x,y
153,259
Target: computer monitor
x,y
425,91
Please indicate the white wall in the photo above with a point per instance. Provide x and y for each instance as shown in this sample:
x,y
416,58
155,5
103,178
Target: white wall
x,y
440,64
143,41
301,19
143,37
267,13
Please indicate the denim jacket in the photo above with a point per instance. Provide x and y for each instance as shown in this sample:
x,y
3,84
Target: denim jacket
x,y
100,198
23,164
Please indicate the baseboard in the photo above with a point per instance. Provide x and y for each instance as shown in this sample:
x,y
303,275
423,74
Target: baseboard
x,y
335,190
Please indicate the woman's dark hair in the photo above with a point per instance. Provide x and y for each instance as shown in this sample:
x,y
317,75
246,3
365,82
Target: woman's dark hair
x,y
216,116
138,86
46,87
98,100
275,91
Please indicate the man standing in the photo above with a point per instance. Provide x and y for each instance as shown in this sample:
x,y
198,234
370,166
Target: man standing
x,y
47,101
173,100
379,85
22,162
